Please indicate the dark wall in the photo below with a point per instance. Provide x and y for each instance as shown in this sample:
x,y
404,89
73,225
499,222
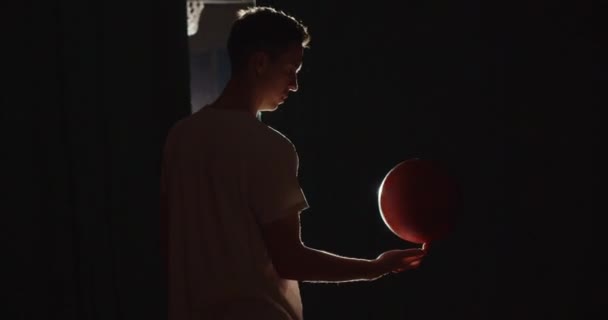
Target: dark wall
x,y
501,95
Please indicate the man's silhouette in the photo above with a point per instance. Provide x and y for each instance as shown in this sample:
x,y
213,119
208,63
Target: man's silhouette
x,y
231,197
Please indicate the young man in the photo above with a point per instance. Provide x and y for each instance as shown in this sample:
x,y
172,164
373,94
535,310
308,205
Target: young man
x,y
231,194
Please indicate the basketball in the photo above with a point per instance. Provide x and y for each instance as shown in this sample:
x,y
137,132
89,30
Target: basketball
x,y
419,201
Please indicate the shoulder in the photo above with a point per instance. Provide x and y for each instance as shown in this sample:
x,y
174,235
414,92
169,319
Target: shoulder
x,y
272,148
279,138
175,130
276,140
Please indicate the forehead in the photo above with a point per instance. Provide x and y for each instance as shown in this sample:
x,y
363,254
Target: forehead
x,y
293,55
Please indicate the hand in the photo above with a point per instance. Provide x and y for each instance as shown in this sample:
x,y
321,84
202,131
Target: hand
x,y
398,261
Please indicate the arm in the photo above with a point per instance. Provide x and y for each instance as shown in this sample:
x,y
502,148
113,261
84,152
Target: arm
x,y
293,260
274,188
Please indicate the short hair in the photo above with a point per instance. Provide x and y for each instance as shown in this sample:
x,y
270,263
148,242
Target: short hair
x,y
263,29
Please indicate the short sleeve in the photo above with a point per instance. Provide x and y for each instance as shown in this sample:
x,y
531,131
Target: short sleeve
x,y
274,186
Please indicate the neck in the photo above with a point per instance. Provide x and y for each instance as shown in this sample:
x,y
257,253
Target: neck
x,y
238,95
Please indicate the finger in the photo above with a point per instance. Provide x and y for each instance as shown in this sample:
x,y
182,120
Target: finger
x,y
414,253
410,266
411,259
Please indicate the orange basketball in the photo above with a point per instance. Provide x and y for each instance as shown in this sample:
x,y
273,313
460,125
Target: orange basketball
x,y
419,201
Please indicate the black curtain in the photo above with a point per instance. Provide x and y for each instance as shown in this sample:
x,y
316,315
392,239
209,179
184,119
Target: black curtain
x,y
501,94
92,89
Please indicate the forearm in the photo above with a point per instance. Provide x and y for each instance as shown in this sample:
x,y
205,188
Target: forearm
x,y
314,265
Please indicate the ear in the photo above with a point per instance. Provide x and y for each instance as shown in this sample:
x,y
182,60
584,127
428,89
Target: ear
x,y
259,62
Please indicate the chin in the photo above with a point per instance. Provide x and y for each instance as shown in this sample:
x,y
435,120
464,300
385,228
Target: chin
x,y
277,104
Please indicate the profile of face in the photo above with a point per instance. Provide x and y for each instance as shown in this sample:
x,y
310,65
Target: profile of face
x,y
278,77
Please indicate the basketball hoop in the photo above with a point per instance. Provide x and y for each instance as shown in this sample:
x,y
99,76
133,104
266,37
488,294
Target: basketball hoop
x,y
194,9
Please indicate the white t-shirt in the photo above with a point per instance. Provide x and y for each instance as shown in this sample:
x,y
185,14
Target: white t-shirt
x,y
224,174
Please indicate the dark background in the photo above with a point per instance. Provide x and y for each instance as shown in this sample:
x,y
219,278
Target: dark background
x,y
499,93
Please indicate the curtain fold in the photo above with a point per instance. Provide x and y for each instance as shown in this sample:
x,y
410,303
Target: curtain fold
x,y
93,89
